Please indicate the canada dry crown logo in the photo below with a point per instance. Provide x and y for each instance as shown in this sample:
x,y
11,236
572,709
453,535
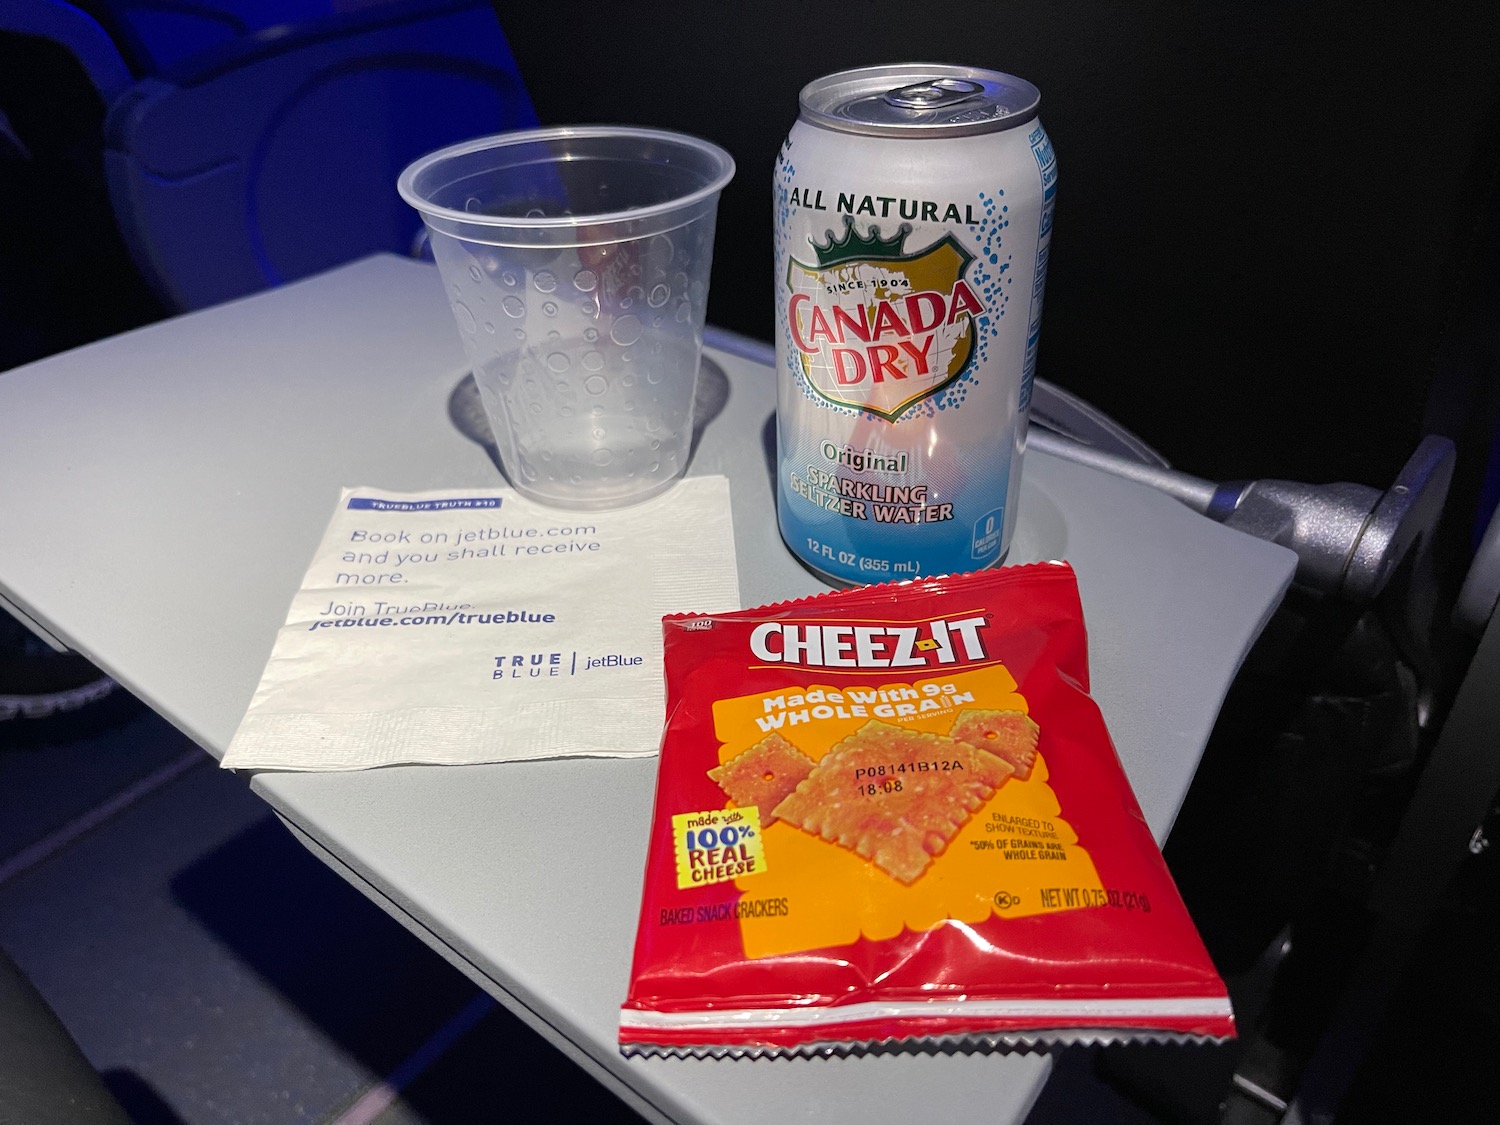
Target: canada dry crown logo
x,y
878,329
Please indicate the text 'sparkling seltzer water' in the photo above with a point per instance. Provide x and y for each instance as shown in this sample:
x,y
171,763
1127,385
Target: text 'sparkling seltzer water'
x,y
913,214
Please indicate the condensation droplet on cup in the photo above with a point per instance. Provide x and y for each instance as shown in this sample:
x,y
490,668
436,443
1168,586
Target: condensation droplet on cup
x,y
521,334
585,281
465,317
596,412
593,361
658,296
627,380
656,321
626,330
589,308
545,281
684,312
476,273
508,278
654,376
559,361
489,326
596,384
591,334
603,456
472,204
528,470
514,306
549,308
599,433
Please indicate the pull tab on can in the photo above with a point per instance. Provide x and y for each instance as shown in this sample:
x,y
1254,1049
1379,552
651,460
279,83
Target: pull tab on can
x,y
935,94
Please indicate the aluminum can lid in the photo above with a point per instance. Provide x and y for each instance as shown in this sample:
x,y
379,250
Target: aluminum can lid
x,y
919,100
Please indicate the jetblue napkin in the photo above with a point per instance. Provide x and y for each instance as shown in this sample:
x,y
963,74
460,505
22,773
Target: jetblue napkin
x,y
476,626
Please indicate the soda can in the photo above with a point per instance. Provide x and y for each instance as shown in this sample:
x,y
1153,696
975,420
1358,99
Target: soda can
x,y
913,213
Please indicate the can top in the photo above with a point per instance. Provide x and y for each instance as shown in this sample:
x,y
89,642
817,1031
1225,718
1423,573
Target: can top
x,y
919,100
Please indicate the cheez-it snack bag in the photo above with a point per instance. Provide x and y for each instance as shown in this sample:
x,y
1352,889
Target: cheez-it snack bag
x,y
894,814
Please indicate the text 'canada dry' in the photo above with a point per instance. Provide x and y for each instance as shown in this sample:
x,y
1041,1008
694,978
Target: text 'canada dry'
x,y
913,214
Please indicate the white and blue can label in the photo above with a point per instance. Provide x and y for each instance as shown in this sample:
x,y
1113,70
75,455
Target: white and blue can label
x,y
913,217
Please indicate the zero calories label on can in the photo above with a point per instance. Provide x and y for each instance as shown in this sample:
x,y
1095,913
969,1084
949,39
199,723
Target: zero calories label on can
x,y
914,209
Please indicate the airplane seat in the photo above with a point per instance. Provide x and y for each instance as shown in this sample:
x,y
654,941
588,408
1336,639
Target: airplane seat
x,y
242,161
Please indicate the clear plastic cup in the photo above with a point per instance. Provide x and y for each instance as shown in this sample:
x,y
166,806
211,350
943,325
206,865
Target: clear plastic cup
x,y
576,261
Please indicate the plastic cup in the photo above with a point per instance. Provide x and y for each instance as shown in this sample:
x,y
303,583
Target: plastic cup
x,y
576,261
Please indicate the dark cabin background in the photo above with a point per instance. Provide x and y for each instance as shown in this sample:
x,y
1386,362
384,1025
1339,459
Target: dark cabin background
x,y
1271,217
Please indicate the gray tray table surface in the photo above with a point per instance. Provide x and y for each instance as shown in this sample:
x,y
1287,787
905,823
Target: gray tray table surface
x,y
162,492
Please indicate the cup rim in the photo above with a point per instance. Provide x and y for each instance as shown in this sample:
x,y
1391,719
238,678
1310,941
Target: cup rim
x,y
405,182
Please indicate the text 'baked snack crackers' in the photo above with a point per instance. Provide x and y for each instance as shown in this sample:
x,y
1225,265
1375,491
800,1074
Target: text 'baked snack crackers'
x,y
894,814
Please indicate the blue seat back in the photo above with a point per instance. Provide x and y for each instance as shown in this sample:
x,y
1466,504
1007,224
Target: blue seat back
x,y
244,154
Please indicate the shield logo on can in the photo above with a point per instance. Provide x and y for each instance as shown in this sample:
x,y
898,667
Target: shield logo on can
x,y
878,329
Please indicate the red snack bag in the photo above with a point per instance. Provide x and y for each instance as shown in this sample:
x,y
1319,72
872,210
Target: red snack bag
x,y
894,813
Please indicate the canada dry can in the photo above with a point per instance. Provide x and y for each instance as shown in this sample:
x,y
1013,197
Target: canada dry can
x,y
913,215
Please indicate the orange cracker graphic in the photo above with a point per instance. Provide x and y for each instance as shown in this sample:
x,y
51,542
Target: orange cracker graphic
x,y
894,796
763,775
1009,734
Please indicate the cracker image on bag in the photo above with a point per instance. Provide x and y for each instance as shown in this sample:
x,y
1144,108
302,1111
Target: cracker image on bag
x,y
763,775
1009,734
895,797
